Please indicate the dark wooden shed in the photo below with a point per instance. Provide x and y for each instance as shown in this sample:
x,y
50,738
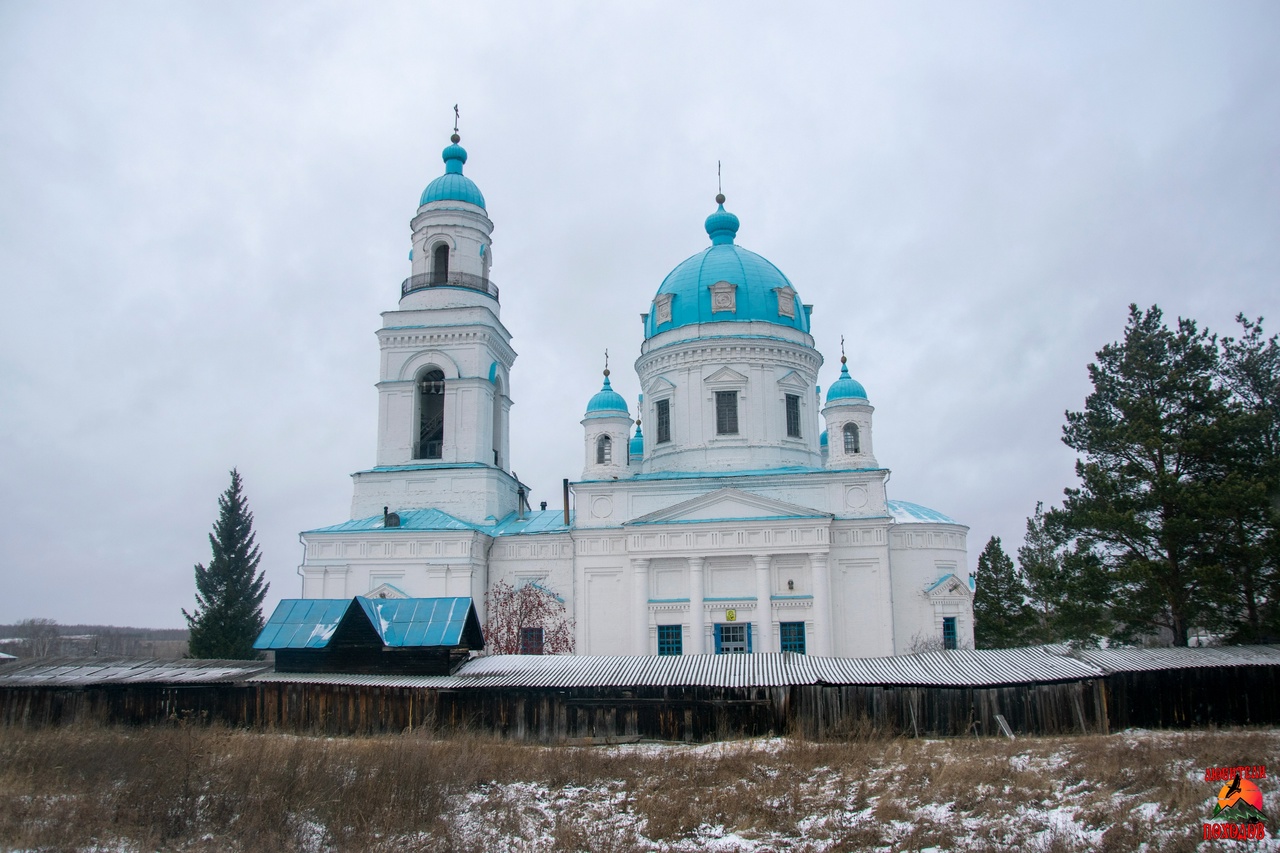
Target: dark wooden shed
x,y
407,636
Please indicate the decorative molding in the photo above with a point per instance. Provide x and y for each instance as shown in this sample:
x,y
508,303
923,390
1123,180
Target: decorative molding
x,y
662,308
724,297
786,301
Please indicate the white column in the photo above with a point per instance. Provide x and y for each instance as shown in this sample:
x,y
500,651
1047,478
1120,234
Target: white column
x,y
763,640
640,613
697,642
821,604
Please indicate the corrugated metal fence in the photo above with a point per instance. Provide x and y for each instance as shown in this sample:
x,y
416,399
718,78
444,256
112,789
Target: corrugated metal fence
x,y
1041,690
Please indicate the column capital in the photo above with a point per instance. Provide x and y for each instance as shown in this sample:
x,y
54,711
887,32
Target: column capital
x,y
696,562
763,561
640,563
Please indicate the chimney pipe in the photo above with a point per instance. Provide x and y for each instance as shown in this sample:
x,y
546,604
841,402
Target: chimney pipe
x,y
566,501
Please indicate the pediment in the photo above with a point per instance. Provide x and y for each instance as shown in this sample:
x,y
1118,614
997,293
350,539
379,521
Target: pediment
x,y
386,590
948,586
728,504
793,380
726,375
660,384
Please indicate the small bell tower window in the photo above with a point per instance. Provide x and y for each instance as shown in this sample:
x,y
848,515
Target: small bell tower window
x,y
851,442
440,264
604,450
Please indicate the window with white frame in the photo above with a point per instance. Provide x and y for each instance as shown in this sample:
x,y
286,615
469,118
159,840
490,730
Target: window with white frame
x,y
726,413
793,415
851,442
604,450
663,408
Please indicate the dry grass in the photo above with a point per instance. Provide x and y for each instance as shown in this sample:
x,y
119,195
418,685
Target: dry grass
x,y
194,788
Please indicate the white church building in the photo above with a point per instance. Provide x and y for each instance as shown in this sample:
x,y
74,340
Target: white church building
x,y
738,510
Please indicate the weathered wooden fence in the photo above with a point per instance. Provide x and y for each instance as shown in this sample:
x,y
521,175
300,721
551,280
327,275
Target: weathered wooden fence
x,y
1167,698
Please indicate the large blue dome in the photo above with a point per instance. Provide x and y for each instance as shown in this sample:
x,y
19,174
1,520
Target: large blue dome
x,y
762,292
453,185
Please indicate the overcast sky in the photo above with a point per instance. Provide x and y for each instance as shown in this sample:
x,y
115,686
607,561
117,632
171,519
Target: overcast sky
x,y
205,206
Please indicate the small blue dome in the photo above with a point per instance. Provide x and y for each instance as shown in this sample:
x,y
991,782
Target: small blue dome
x,y
759,285
823,441
607,403
722,227
636,449
845,388
453,185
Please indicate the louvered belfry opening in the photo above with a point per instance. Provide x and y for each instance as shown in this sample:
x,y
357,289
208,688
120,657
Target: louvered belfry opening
x,y
430,416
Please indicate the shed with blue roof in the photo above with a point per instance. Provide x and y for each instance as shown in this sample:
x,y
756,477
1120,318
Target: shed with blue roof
x,y
410,636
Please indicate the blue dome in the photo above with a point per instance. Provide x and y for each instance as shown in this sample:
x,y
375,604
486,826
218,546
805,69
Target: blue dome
x,y
636,449
607,403
845,388
453,185
823,441
756,295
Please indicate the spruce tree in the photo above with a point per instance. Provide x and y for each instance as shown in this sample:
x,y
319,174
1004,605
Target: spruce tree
x,y
1068,587
230,590
1001,616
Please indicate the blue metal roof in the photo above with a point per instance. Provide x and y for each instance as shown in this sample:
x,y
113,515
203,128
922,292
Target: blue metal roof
x,y
453,185
636,448
410,519
845,388
310,623
300,623
756,278
905,512
412,622
607,403
537,521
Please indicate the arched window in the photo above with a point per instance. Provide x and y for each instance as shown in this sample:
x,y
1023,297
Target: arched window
x,y
851,443
440,264
604,450
430,415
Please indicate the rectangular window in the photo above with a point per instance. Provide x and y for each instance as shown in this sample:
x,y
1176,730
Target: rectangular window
x,y
793,415
664,421
732,639
670,641
726,413
530,641
948,632
792,636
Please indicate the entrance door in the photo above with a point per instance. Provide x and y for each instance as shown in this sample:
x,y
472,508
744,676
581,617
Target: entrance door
x,y
732,639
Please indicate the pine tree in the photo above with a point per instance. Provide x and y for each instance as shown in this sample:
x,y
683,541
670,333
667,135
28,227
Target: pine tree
x,y
1001,616
1246,540
229,592
1149,437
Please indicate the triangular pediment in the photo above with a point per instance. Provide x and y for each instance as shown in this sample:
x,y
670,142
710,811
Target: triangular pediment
x,y
660,384
726,374
386,590
793,380
728,504
948,586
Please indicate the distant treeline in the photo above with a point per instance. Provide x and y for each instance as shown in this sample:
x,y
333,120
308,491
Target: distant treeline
x,y
37,638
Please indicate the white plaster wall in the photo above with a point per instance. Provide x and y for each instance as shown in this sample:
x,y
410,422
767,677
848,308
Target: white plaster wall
x,y
919,554
475,495
464,227
762,372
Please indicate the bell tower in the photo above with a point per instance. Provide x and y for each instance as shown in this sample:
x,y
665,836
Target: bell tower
x,y
444,386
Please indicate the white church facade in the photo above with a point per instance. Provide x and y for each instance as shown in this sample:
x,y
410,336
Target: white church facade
x,y
738,510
